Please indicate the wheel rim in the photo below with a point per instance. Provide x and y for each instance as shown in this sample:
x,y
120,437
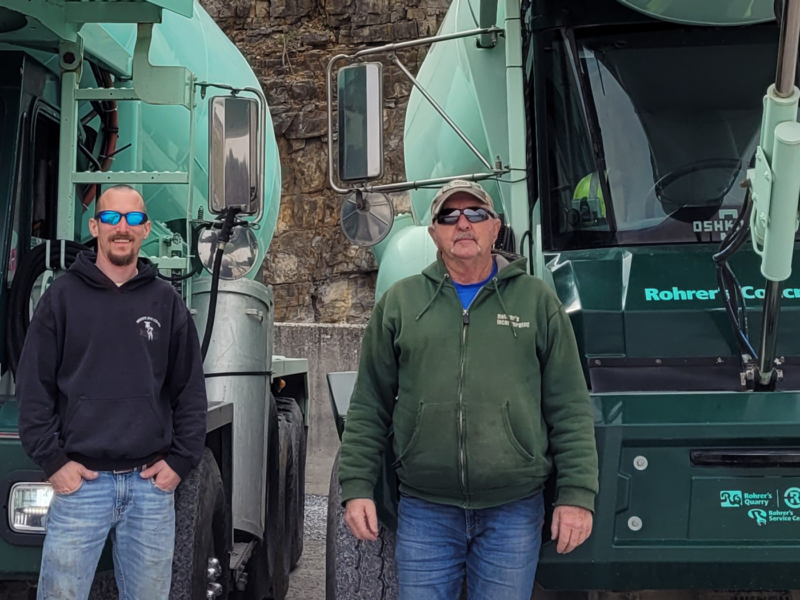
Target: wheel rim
x,y
213,589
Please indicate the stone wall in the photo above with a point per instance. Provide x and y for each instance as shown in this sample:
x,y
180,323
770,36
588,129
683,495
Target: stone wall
x,y
318,276
329,349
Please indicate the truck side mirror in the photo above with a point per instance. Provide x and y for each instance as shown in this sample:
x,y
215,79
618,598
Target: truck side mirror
x,y
235,163
360,96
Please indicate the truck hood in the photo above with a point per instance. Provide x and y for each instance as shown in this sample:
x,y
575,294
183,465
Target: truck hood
x,y
716,13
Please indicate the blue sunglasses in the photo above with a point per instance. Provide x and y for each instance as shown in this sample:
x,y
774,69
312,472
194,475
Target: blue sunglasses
x,y
112,217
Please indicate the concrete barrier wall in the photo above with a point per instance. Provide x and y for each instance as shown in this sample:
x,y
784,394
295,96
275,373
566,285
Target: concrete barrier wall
x,y
328,348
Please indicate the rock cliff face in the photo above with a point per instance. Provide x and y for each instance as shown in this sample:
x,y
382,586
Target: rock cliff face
x,y
317,275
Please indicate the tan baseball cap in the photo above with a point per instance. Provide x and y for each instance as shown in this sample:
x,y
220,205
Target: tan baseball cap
x,y
460,186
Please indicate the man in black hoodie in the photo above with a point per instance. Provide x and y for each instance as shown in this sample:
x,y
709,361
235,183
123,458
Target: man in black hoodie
x,y
112,406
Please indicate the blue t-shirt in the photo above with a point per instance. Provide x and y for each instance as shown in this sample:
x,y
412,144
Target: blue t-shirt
x,y
468,291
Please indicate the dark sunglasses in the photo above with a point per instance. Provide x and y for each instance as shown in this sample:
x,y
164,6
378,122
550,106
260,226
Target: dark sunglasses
x,y
450,216
112,217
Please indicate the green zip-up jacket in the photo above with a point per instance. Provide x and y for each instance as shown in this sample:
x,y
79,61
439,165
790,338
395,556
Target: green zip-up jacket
x,y
483,402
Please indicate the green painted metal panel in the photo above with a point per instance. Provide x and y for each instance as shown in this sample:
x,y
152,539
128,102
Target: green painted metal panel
x,y
690,534
400,222
707,12
107,51
469,83
181,7
407,253
283,367
131,177
46,22
659,302
111,12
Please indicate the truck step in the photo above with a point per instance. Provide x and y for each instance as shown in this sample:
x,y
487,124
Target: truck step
x,y
239,556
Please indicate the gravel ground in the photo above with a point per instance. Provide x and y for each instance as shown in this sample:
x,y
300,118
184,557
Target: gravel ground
x,y
307,581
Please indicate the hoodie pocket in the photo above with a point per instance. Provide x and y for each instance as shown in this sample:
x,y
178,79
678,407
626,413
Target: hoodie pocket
x,y
127,427
429,462
496,458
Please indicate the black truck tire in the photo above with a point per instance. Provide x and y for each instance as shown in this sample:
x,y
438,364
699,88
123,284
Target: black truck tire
x,y
280,580
202,531
295,479
356,569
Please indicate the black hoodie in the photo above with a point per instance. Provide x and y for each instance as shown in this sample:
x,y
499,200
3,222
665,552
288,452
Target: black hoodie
x,y
111,376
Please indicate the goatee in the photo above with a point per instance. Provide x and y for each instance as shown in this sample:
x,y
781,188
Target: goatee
x,y
120,260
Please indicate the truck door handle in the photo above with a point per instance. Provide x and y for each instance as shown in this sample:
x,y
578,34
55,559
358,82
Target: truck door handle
x,y
254,312
747,458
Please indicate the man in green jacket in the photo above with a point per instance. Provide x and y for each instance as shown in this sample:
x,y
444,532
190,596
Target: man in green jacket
x,y
474,366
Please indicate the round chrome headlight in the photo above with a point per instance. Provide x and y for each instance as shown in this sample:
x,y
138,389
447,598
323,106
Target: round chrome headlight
x,y
238,258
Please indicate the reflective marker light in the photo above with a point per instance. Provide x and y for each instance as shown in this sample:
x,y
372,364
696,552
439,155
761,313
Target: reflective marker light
x,y
28,504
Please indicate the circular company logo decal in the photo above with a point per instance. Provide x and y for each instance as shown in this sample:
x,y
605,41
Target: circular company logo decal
x,y
792,497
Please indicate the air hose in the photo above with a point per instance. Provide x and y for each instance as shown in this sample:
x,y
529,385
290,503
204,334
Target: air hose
x,y
222,240
62,253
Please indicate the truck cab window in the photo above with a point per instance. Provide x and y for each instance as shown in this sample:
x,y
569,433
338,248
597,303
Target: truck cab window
x,y
38,180
673,144
44,170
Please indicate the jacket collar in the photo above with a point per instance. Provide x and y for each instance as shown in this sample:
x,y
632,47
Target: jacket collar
x,y
506,269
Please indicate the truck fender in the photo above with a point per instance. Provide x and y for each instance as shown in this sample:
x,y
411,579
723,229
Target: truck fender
x,y
340,388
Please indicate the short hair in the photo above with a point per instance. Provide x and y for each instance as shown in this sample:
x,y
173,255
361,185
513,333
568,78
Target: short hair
x,y
120,187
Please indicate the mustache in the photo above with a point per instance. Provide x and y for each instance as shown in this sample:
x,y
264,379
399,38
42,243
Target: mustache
x,y
464,236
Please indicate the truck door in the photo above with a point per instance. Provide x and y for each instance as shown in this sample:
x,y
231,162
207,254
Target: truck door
x,y
35,204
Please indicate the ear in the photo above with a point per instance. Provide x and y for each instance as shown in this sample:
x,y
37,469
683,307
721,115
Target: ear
x,y
94,227
147,227
496,226
432,233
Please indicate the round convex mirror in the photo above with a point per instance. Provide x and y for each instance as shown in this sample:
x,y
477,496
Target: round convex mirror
x,y
238,258
367,218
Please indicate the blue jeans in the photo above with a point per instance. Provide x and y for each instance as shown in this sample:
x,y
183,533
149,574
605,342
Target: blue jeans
x,y
141,520
497,548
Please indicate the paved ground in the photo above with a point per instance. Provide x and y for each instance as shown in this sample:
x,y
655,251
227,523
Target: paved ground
x,y
318,472
307,581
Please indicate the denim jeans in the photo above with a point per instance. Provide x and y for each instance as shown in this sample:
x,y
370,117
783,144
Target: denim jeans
x,y
496,548
141,520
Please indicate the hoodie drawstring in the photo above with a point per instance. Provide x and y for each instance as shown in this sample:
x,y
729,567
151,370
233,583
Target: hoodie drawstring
x,y
436,293
503,306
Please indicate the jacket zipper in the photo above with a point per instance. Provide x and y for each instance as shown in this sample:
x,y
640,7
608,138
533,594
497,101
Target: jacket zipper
x,y
462,453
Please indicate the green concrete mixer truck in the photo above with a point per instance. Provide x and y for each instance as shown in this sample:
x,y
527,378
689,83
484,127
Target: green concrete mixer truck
x,y
153,95
644,155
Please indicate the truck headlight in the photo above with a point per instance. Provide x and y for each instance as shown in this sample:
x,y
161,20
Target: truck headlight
x,y
28,504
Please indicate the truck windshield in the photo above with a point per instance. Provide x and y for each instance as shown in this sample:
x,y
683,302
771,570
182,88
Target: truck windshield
x,y
649,133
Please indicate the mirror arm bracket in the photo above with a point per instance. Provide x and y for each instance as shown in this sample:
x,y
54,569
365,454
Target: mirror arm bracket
x,y
392,49
441,112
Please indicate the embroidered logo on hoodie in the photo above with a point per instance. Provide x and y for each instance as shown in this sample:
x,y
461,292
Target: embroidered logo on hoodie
x,y
149,328
503,319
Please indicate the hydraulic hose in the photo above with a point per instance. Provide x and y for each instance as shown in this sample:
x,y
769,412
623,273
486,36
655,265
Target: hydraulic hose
x,y
30,268
222,240
730,289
